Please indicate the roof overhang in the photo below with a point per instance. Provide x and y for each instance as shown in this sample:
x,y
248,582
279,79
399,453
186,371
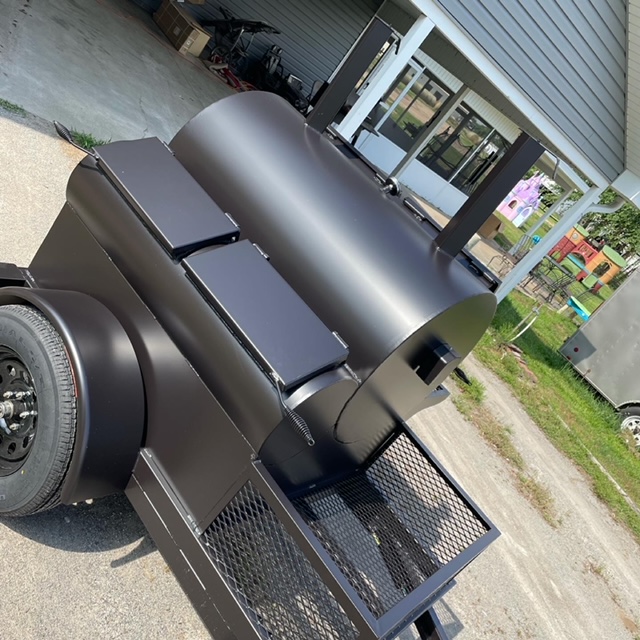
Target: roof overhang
x,y
627,184
496,87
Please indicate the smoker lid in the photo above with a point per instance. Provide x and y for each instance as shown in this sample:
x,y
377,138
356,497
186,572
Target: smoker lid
x,y
177,210
265,313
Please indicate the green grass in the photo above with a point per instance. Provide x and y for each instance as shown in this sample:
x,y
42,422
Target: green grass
x,y
590,300
510,234
12,108
565,407
87,140
469,400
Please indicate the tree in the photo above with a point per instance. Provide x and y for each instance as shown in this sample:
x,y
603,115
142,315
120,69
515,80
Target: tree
x,y
621,230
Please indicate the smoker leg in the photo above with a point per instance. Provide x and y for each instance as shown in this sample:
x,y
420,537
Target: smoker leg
x,y
429,627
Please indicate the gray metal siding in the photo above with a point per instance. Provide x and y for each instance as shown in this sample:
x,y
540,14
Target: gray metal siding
x,y
568,57
315,35
633,95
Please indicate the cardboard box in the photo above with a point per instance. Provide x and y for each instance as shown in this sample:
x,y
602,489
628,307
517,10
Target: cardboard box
x,y
491,228
186,35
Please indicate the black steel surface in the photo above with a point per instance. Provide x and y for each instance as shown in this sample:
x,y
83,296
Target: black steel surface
x,y
429,627
378,528
391,527
170,202
490,193
151,496
187,431
353,68
366,268
267,315
11,276
201,337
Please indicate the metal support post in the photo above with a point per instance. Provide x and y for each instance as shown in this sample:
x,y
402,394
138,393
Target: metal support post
x,y
374,92
493,189
351,70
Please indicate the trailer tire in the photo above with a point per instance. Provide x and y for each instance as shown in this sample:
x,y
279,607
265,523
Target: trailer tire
x,y
630,421
34,459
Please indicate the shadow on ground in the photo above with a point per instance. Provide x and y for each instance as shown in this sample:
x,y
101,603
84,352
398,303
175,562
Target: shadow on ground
x,y
106,525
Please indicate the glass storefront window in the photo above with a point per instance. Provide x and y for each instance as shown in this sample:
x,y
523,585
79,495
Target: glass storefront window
x,y
469,176
465,148
414,111
464,151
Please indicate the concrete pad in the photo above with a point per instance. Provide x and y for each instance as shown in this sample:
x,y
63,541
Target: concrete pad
x,y
34,167
91,571
99,66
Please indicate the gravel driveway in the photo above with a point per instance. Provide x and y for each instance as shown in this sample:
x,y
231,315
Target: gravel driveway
x,y
91,572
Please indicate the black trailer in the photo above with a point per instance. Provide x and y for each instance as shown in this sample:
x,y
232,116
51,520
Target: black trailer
x,y
233,330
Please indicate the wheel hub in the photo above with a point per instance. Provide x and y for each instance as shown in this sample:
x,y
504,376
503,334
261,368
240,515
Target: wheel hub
x,y
18,412
632,424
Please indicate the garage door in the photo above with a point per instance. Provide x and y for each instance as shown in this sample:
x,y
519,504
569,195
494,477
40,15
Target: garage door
x,y
315,35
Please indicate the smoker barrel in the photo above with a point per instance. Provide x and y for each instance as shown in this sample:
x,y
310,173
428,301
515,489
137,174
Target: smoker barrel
x,y
407,311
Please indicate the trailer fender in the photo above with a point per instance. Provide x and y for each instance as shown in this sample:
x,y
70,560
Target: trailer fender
x,y
108,386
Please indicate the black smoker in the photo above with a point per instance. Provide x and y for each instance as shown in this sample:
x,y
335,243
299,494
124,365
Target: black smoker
x,y
250,319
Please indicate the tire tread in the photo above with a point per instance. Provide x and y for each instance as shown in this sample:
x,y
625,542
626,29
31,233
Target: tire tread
x,y
48,496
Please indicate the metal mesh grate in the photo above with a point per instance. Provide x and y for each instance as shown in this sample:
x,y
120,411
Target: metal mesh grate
x,y
276,585
392,526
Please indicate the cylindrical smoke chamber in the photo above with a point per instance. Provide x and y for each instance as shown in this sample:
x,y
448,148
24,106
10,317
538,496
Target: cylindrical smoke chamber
x,y
408,311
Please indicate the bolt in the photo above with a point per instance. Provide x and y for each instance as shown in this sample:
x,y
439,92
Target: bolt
x,y
25,414
8,394
22,394
14,427
6,409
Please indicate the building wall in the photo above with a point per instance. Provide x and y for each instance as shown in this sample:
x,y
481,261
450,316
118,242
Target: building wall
x,y
633,97
568,57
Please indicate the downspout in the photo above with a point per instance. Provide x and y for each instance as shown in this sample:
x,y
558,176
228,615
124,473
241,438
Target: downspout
x,y
608,208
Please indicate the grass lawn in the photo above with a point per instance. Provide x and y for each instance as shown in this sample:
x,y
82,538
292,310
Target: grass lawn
x,y
510,234
565,407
